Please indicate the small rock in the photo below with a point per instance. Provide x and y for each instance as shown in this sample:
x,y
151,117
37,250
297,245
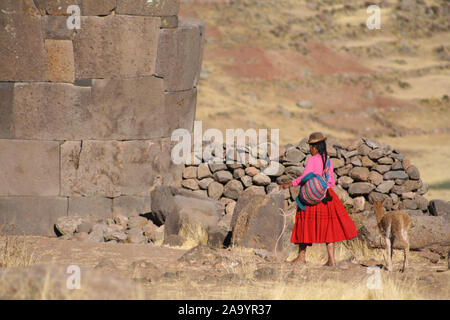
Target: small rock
x,y
263,253
97,233
413,172
359,204
120,219
84,227
239,172
215,190
439,207
191,184
385,186
137,222
294,155
356,161
364,150
304,104
345,181
251,171
376,154
254,190
359,174
246,181
337,163
68,225
204,183
149,228
385,160
391,175
408,195
157,236
397,165
217,167
261,179
375,178
233,189
229,209
190,172
372,144
223,176
360,188
136,235
203,171
409,204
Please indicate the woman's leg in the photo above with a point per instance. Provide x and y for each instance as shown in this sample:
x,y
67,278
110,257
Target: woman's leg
x,y
301,258
330,250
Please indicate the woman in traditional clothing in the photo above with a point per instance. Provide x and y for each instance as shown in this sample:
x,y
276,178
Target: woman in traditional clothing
x,y
327,221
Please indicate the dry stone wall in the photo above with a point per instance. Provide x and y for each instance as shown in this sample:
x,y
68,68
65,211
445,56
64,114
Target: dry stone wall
x,y
86,114
363,170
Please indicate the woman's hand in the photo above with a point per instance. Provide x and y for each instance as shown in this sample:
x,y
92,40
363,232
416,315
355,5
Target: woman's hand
x,y
285,185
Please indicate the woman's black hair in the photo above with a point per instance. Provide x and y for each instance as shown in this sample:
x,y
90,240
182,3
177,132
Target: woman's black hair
x,y
322,149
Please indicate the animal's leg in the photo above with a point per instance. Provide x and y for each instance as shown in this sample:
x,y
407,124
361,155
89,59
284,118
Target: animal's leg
x,y
388,253
405,240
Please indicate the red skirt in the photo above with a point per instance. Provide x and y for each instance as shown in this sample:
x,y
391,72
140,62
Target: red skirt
x,y
323,223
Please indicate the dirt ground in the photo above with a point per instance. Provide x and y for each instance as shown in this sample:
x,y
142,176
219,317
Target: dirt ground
x,y
160,272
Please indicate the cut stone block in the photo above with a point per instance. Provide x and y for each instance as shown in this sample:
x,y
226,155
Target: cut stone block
x,y
6,110
116,47
22,52
148,8
55,27
180,57
60,61
56,7
52,111
131,205
180,110
110,109
32,215
29,168
114,168
130,109
98,207
97,7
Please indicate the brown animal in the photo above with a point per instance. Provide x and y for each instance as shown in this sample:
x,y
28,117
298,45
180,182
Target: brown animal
x,y
393,225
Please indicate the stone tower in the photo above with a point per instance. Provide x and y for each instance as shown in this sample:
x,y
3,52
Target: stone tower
x,y
90,92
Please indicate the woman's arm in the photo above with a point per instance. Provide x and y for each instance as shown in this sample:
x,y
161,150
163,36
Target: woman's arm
x,y
331,181
308,168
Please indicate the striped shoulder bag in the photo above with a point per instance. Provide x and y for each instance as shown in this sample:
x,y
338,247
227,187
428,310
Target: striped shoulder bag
x,y
314,190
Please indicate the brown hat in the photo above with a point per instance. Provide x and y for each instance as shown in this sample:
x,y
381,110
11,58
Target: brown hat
x,y
316,137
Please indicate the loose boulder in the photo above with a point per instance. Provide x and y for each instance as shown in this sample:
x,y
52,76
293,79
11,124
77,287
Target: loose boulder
x,y
257,221
189,215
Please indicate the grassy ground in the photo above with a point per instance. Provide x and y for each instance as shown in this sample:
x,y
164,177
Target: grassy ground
x,y
109,271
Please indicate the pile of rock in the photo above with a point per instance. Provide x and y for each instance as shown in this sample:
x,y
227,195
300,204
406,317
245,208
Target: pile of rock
x,y
119,229
364,170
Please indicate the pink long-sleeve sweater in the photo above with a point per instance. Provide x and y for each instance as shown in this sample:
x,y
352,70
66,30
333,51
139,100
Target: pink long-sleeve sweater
x,y
314,164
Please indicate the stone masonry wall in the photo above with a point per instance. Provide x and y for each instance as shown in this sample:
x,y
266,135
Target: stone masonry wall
x,y
363,170
86,115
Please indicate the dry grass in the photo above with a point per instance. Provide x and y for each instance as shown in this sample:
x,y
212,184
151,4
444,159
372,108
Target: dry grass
x,y
13,251
311,282
50,283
